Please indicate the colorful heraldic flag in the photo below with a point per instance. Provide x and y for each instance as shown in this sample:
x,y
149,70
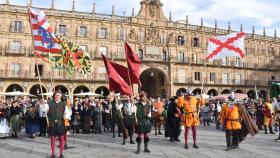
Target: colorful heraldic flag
x,y
118,77
43,34
231,45
71,57
134,65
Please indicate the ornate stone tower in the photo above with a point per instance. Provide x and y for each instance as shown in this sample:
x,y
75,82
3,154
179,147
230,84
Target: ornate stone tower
x,y
151,10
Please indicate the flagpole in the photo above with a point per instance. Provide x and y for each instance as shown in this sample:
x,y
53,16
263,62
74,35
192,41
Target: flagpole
x,y
33,50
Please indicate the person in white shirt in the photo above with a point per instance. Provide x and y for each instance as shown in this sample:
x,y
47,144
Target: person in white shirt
x,y
43,109
129,112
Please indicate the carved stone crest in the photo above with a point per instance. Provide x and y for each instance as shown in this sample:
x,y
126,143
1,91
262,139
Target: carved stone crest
x,y
152,35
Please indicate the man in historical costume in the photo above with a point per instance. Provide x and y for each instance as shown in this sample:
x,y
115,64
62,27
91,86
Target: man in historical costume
x,y
4,125
191,106
268,112
129,113
116,114
158,118
43,109
56,122
259,115
237,123
107,116
143,122
174,119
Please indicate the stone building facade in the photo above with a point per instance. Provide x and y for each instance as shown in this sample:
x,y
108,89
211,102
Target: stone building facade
x,y
173,53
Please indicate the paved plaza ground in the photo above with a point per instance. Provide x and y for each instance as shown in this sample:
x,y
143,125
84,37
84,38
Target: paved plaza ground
x,y
210,141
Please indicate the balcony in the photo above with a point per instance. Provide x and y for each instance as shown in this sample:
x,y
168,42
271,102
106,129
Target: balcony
x,y
57,75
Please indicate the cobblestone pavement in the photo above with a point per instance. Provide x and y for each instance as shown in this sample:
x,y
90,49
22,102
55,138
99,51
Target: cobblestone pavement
x,y
210,141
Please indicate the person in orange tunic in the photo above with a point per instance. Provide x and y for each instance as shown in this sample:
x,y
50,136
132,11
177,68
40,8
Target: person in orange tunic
x,y
268,113
230,118
158,120
190,116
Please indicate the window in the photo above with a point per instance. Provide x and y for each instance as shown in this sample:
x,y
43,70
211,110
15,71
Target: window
x,y
181,40
102,33
225,78
212,76
121,52
162,38
17,26
103,50
181,57
102,70
197,76
40,68
237,62
83,31
195,42
62,30
164,56
194,58
181,76
238,78
15,69
273,78
261,50
15,47
141,54
271,51
141,36
225,61
83,47
122,35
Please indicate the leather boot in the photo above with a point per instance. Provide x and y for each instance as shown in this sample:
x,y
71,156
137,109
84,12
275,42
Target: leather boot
x,y
270,130
265,129
138,140
229,140
123,143
146,141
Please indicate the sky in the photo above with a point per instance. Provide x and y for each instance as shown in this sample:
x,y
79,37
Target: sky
x,y
260,13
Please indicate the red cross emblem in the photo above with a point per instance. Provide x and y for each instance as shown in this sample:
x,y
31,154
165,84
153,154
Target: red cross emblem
x,y
228,44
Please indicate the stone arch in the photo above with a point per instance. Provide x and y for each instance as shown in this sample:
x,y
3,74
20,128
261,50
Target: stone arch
x,y
154,82
14,87
181,91
251,94
36,90
104,91
263,94
62,88
239,91
196,91
212,92
226,91
81,89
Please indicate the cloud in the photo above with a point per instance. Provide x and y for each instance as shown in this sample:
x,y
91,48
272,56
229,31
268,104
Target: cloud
x,y
248,12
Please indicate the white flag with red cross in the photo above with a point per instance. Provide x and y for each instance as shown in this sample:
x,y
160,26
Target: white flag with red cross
x,y
231,45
